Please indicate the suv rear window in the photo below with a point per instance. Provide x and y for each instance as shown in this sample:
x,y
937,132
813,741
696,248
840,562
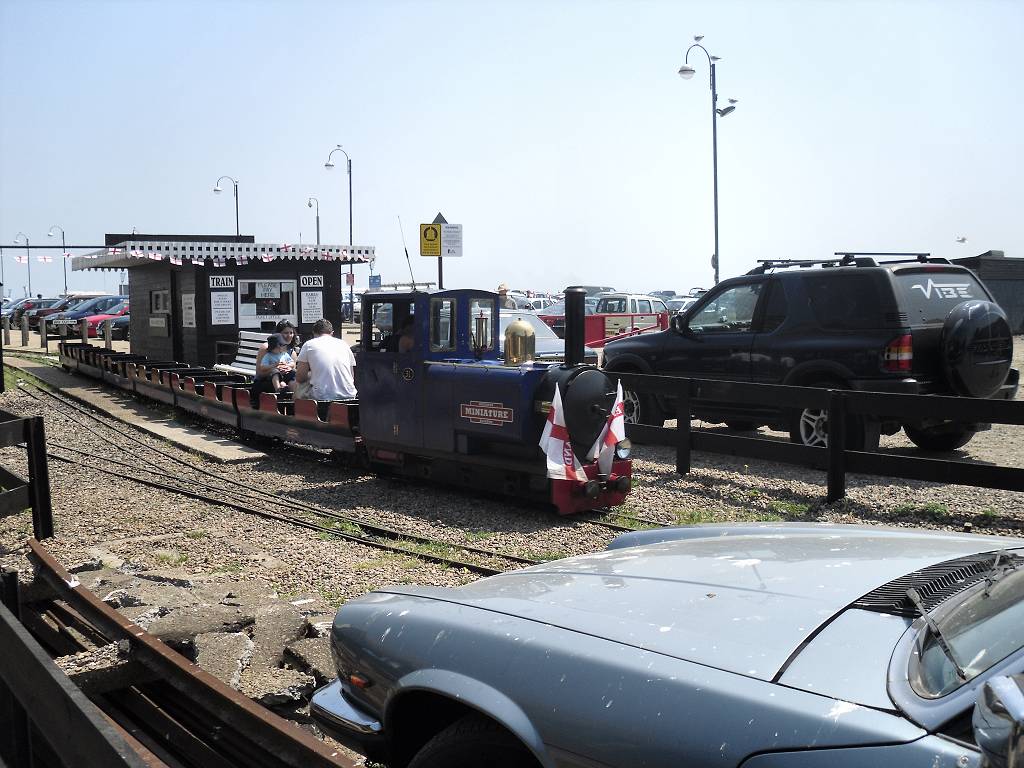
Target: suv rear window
x,y
927,296
844,301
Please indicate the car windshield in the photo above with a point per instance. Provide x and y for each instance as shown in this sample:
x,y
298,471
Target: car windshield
x,y
980,631
540,329
117,308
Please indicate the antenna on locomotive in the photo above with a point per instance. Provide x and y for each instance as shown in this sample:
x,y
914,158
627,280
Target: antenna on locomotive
x,y
411,276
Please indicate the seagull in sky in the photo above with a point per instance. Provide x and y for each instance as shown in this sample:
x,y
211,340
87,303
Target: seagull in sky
x,y
961,239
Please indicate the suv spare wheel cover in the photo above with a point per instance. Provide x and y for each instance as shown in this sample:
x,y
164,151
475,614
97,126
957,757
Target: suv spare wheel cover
x,y
976,348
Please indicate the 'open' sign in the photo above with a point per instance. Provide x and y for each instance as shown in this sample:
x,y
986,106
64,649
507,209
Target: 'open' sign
x,y
311,281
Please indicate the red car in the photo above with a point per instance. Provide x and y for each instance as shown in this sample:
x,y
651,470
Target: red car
x,y
95,322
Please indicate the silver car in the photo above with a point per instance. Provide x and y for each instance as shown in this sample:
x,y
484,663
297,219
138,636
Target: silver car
x,y
761,646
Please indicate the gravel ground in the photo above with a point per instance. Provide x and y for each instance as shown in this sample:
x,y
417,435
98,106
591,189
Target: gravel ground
x,y
100,517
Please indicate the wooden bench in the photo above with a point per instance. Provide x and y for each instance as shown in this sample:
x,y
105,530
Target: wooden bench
x,y
244,351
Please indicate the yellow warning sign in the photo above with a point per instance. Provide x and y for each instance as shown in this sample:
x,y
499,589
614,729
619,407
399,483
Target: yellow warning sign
x,y
430,239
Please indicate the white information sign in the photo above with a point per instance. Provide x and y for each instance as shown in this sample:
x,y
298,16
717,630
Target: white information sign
x,y
312,306
266,290
222,307
188,310
451,240
311,281
222,281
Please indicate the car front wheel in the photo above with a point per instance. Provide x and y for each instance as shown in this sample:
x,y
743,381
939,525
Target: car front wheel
x,y
472,742
932,440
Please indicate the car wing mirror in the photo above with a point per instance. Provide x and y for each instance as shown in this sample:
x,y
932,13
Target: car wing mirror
x,y
999,722
679,325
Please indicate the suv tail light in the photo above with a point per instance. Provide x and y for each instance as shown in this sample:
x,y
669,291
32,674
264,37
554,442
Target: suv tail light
x,y
898,355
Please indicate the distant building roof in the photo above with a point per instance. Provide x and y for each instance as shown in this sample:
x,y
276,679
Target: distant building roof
x,y
210,251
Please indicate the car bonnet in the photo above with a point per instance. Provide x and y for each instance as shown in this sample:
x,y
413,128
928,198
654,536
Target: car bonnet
x,y
740,603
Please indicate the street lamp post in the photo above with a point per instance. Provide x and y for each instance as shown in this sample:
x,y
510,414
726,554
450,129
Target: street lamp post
x,y
686,72
348,163
64,254
218,190
309,204
28,258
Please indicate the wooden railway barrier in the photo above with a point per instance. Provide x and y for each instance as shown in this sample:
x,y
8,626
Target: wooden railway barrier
x,y
7,329
839,404
19,494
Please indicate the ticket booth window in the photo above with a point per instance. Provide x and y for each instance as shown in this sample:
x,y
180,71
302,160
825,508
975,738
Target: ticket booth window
x,y
262,303
160,302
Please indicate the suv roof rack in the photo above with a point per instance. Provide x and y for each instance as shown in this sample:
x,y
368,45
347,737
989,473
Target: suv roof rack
x,y
923,258
845,260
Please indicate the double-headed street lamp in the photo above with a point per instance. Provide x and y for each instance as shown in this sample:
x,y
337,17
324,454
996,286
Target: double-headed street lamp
x,y
64,254
686,72
328,165
218,190
309,204
28,258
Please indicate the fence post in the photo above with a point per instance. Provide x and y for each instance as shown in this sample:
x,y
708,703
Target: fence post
x,y
85,331
44,337
683,427
7,330
24,331
39,478
108,333
15,739
836,445
62,331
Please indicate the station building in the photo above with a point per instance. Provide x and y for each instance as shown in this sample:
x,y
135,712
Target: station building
x,y
188,292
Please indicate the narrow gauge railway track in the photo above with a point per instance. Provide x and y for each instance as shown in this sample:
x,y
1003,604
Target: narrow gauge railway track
x,y
281,500
164,709
240,497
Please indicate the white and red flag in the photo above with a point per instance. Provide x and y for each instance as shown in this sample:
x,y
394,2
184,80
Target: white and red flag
x,y
554,441
156,256
21,259
326,256
220,261
198,261
308,249
241,259
614,432
176,261
286,247
45,258
267,257
138,254
113,251
67,255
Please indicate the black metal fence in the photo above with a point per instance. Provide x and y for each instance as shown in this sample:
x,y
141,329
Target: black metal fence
x,y
840,404
18,494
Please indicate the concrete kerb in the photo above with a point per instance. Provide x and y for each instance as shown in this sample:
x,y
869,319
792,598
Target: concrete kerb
x,y
93,394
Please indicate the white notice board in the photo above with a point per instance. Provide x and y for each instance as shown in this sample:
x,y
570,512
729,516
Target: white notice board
x,y
312,306
188,310
222,307
265,290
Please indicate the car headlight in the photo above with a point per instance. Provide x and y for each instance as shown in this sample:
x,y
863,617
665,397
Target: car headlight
x,y
623,448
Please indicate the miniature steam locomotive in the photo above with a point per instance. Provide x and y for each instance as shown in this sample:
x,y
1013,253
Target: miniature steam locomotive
x,y
456,409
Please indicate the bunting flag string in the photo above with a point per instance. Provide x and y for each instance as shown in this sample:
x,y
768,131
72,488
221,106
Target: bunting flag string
x,y
45,258
138,254
241,259
156,256
267,257
113,251
176,261
220,261
198,262
286,247
308,249
21,259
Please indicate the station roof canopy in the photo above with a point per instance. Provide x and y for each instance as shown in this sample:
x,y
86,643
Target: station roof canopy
x,y
212,251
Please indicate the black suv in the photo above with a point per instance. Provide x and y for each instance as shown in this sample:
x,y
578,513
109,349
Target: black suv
x,y
922,326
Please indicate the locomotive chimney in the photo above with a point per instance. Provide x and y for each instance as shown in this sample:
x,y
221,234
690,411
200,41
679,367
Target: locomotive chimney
x,y
575,310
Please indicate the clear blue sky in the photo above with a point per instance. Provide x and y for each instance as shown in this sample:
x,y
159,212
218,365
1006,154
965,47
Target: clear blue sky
x,y
557,133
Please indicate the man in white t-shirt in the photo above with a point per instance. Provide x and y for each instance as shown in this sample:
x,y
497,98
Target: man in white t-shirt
x,y
327,364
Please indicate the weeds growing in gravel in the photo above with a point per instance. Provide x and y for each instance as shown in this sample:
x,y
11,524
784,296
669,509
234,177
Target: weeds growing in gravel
x,y
931,511
789,508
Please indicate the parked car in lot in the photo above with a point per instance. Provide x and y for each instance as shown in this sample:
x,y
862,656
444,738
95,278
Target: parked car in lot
x,y
920,326
554,315
680,304
64,304
761,646
95,322
14,310
547,346
120,327
84,309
